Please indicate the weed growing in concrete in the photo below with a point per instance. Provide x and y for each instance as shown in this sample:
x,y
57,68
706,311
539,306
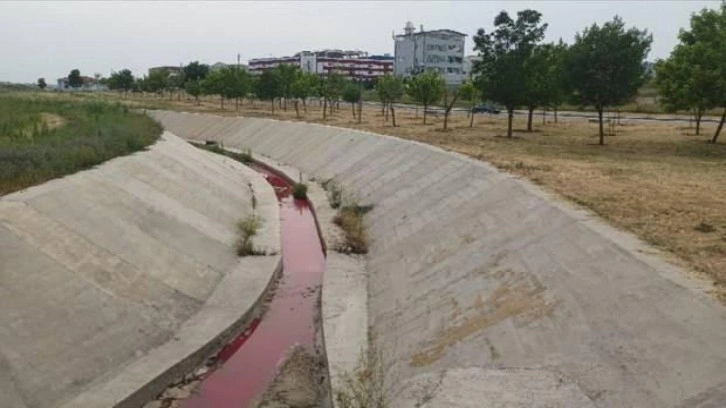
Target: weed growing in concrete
x,y
244,157
350,219
248,228
300,191
334,192
364,387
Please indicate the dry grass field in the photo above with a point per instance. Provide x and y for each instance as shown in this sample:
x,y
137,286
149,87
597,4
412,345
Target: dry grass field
x,y
656,180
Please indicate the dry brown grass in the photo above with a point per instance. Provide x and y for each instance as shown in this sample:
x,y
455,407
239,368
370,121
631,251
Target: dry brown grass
x,y
654,179
350,220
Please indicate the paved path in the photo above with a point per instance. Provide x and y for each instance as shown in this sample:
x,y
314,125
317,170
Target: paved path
x,y
476,276
112,276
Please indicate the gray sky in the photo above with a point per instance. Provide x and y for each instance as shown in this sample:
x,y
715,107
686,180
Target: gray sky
x,y
48,39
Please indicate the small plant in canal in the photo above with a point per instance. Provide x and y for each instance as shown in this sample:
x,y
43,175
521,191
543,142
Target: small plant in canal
x,y
350,219
364,386
300,191
248,228
334,192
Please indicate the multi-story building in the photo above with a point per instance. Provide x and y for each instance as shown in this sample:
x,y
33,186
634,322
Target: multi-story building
x,y
355,65
437,50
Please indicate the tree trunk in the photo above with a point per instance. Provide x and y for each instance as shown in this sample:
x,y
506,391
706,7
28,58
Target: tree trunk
x,y
272,103
297,109
393,115
510,116
416,111
544,116
285,104
529,119
720,126
446,119
198,101
425,108
221,101
699,115
471,116
352,108
236,104
555,114
360,111
305,105
325,108
383,109
602,132
386,106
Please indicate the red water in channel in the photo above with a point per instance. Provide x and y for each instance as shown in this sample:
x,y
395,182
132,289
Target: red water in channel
x,y
249,363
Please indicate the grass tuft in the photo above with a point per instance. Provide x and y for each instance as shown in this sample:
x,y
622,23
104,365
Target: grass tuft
x,y
350,219
300,191
248,228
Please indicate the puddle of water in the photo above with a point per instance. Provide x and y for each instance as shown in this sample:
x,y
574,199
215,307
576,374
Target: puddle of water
x,y
249,363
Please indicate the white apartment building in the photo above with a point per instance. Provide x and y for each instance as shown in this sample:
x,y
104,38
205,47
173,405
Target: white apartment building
x,y
438,50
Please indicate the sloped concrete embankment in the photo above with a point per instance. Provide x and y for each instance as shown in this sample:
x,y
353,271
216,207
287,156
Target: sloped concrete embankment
x,y
484,291
117,279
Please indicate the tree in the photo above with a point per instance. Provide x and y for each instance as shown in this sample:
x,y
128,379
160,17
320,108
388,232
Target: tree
x,y
215,84
450,97
194,88
194,71
390,89
235,83
683,83
352,94
705,49
286,75
501,72
539,83
122,80
302,88
469,92
605,65
157,81
74,79
330,90
41,83
426,88
268,87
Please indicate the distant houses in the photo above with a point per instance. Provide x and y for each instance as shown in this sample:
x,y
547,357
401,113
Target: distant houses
x,y
89,84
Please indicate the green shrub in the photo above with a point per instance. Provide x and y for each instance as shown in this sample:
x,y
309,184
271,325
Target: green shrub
x,y
248,228
300,191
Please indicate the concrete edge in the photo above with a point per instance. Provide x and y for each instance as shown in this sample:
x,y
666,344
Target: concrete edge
x,y
344,298
236,301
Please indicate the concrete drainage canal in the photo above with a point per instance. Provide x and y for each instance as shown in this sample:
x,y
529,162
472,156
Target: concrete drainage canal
x,y
279,360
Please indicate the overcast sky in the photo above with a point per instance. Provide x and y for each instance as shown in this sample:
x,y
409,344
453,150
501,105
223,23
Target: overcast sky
x,y
48,39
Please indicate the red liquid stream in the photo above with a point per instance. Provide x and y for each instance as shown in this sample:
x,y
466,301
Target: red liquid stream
x,y
249,363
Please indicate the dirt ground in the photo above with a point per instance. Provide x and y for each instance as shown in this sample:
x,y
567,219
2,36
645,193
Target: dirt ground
x,y
656,180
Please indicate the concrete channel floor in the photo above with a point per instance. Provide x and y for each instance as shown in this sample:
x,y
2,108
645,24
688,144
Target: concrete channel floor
x,y
476,278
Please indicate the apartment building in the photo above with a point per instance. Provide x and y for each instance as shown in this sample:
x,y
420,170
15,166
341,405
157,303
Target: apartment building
x,y
436,50
354,65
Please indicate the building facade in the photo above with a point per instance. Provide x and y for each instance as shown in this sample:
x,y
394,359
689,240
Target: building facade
x,y
353,65
441,51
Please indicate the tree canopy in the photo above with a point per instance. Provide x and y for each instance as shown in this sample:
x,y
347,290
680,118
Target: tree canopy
x,y
74,79
194,71
605,65
121,80
426,88
502,71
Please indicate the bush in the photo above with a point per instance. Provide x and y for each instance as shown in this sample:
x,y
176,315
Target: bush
x,y
248,228
300,191
364,387
350,220
334,192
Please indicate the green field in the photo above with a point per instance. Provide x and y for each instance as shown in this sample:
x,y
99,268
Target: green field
x,y
43,138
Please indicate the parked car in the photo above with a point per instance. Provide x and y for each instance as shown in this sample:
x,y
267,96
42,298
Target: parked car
x,y
484,108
